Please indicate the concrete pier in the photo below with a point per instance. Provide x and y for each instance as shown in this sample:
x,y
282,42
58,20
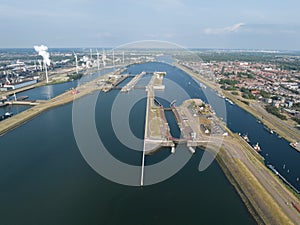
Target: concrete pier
x,y
129,86
157,131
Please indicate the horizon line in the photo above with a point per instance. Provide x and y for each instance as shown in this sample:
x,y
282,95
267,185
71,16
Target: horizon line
x,y
189,48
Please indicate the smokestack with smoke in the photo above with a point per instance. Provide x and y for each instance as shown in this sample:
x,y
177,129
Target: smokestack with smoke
x,y
76,61
42,51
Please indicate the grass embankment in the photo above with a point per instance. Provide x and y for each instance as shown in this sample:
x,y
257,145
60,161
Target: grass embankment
x,y
259,202
154,123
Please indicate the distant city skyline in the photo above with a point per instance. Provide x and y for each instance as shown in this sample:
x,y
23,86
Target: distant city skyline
x,y
268,25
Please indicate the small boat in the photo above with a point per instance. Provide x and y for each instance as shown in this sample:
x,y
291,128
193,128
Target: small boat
x,y
202,86
228,100
266,128
231,102
295,145
271,167
6,115
256,147
246,138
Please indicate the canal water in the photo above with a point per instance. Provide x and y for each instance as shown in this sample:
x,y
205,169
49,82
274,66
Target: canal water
x,y
15,109
50,183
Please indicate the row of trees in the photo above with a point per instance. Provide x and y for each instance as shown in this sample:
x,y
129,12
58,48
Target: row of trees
x,y
275,111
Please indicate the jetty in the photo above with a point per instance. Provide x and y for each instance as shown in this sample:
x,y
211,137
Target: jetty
x,y
131,84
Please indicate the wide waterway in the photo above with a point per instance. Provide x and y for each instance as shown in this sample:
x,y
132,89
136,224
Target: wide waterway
x,y
45,180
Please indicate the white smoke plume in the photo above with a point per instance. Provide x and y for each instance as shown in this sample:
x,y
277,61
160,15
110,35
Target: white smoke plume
x,y
85,58
42,51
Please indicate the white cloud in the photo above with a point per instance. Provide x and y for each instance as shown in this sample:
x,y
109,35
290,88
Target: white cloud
x,y
224,30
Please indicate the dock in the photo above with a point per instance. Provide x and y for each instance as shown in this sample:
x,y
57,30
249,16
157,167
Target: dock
x,y
115,81
129,86
157,132
3,104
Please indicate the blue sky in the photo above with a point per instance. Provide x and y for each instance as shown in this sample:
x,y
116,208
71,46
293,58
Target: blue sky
x,y
256,24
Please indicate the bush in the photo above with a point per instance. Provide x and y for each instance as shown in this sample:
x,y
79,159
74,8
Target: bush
x,y
230,88
75,76
245,102
229,82
275,111
248,96
247,93
297,120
